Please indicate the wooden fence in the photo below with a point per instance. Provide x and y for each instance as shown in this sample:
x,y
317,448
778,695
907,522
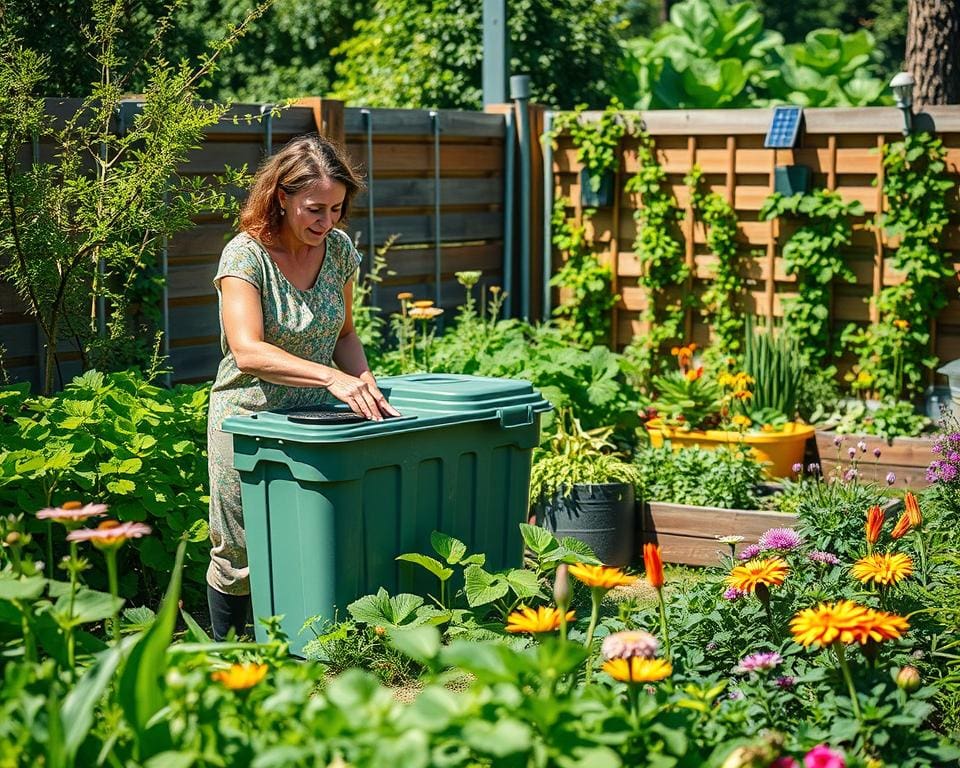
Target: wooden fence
x,y
435,179
842,149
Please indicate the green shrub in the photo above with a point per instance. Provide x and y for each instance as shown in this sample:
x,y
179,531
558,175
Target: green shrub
x,y
726,478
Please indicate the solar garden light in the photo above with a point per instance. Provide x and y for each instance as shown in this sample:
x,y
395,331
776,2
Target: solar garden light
x,y
902,85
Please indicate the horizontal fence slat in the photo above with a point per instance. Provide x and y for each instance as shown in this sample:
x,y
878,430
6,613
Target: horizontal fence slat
x,y
415,193
414,122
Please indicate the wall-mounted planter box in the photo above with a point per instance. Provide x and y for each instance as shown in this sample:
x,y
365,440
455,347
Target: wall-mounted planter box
x,y
907,457
603,197
687,533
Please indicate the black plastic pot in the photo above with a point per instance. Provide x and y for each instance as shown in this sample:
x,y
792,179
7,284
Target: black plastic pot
x,y
602,516
603,197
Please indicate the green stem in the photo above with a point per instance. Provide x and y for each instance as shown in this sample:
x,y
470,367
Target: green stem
x,y
71,654
663,622
111,556
633,693
922,551
29,644
50,549
845,670
596,595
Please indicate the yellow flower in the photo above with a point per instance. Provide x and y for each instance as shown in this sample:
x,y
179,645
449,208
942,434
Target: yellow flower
x,y
739,420
743,394
864,378
770,572
424,313
544,619
901,324
694,374
882,569
638,669
404,296
601,576
240,677
423,303
845,622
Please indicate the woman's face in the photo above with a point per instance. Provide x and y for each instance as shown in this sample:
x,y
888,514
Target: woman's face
x,y
311,213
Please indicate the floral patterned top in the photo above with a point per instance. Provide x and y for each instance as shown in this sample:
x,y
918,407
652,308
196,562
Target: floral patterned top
x,y
303,323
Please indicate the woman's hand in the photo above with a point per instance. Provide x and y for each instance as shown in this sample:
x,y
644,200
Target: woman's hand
x,y
361,394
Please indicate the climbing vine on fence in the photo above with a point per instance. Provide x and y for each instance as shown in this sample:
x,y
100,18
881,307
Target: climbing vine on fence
x,y
813,254
723,296
584,310
659,250
597,142
893,352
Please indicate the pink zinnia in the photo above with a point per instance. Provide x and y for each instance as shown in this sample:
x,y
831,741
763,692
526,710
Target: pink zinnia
x,y
110,533
629,644
821,756
72,512
749,552
759,662
780,538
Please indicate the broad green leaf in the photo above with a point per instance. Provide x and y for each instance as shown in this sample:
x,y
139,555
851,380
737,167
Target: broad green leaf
x,y
21,589
538,540
195,631
172,759
450,549
89,605
482,587
121,487
491,662
501,739
524,583
422,644
434,566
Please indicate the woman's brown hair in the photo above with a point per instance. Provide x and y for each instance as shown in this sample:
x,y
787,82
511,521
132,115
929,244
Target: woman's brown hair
x,y
303,161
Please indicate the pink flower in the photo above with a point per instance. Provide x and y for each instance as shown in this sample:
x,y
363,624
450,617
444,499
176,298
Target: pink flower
x,y
759,662
780,538
821,756
110,533
785,762
629,644
749,552
72,512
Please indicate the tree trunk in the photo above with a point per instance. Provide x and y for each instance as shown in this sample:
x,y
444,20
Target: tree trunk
x,y
933,51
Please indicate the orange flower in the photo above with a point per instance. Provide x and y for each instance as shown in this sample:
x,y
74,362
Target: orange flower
x,y
902,526
424,313
874,525
601,576
544,619
240,677
693,375
913,509
769,572
901,324
882,569
845,622
638,669
653,565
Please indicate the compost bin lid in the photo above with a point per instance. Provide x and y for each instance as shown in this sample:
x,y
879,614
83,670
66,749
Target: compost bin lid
x,y
425,400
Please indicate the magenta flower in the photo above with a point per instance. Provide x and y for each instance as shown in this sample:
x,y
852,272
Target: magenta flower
x,y
852,452
891,478
780,538
862,445
797,468
828,558
629,644
838,440
749,552
813,468
850,475
876,453
110,533
732,593
821,756
72,512
763,661
785,681
785,762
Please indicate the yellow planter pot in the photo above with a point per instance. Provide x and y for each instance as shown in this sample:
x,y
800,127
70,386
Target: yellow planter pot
x,y
778,450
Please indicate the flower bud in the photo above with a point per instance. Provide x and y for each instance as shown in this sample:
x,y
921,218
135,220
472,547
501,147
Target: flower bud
x,y
561,588
379,631
908,679
12,539
891,478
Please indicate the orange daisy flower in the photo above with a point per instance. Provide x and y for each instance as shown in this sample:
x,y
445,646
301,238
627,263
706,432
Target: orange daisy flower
x,y
874,524
638,669
882,568
601,576
240,677
845,622
903,525
770,572
543,619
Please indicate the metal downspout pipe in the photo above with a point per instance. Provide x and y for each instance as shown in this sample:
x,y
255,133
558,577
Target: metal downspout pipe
x,y
437,275
371,247
547,211
509,139
520,93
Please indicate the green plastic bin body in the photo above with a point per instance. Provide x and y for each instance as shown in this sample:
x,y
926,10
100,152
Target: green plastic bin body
x,y
328,508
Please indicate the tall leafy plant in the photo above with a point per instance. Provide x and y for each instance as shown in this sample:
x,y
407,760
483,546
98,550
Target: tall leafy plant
x,y
80,237
774,363
813,254
893,352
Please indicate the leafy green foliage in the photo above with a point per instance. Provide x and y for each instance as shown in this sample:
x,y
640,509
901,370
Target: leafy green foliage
x,y
813,254
718,54
662,266
116,439
597,141
893,352
414,53
726,478
689,399
722,299
889,419
585,283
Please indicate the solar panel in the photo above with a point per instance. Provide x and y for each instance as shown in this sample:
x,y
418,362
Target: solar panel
x,y
782,133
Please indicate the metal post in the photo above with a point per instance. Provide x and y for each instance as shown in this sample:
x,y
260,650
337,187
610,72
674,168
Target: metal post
x,y
371,247
266,112
520,93
496,45
509,140
547,211
42,341
435,117
165,301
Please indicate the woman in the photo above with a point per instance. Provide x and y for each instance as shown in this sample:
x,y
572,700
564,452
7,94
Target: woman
x,y
285,290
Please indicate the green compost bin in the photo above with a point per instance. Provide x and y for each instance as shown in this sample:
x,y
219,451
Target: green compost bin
x,y
328,507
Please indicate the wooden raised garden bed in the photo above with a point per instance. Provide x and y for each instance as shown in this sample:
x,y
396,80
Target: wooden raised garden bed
x,y
687,534
907,457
